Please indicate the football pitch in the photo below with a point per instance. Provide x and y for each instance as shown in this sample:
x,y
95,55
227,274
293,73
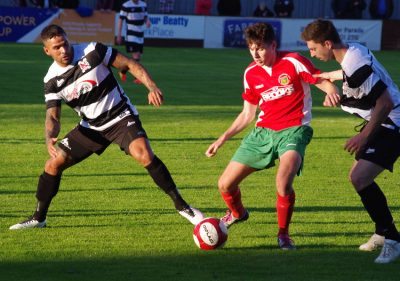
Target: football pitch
x,y
110,222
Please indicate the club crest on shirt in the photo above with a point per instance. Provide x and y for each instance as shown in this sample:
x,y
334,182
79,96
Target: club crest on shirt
x,y
84,65
284,79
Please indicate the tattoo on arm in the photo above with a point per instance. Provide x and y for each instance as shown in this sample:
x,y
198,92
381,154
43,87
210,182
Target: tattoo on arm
x,y
52,123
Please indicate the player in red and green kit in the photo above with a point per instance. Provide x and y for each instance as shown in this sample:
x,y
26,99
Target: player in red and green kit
x,y
278,83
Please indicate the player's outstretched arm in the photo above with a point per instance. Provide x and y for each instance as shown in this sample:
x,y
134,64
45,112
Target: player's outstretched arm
x,y
383,107
331,76
52,129
241,122
332,97
123,63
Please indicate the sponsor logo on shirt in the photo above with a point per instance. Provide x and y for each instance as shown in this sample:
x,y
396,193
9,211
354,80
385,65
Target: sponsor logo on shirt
x,y
277,92
286,89
81,88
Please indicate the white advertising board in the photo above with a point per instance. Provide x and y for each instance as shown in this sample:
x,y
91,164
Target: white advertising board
x,y
171,27
223,32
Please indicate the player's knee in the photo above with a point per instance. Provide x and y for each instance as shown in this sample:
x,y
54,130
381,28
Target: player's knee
x,y
223,185
358,181
142,156
54,166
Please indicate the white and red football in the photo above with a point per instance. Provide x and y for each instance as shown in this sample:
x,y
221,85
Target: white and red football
x,y
210,234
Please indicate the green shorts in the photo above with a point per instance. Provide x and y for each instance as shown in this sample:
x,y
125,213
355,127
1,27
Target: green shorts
x,y
261,147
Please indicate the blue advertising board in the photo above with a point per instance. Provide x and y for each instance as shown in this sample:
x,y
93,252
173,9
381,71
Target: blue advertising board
x,y
234,31
17,22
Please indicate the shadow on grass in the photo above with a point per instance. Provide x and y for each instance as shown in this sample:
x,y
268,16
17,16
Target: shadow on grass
x,y
255,263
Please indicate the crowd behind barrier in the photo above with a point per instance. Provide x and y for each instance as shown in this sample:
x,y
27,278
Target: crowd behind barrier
x,y
302,8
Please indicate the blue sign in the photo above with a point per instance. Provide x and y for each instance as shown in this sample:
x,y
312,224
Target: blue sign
x,y
17,22
234,31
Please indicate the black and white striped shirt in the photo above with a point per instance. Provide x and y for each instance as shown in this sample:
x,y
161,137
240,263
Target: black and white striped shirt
x,y
89,87
135,15
364,81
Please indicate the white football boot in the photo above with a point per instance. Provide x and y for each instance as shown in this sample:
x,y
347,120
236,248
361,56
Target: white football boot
x,y
375,242
29,223
192,214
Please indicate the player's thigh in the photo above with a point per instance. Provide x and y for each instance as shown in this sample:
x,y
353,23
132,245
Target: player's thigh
x,y
131,137
82,142
383,149
257,149
294,139
289,165
233,174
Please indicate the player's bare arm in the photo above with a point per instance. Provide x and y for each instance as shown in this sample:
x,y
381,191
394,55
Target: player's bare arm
x,y
241,122
52,129
332,97
123,63
331,76
383,106
119,37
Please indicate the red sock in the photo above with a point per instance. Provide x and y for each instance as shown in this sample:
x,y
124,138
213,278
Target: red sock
x,y
284,209
233,201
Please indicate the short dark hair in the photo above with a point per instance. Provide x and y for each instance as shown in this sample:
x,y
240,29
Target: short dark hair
x,y
51,31
320,31
259,33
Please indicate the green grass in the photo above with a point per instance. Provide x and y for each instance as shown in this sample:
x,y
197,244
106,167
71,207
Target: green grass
x,y
109,221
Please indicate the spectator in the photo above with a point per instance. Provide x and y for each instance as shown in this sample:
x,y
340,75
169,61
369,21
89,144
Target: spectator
x,y
67,4
166,6
348,9
262,11
229,8
203,7
381,9
105,5
283,8
117,5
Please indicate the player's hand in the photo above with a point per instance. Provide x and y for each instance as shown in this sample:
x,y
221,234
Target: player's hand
x,y
156,97
355,144
212,149
332,100
324,75
51,147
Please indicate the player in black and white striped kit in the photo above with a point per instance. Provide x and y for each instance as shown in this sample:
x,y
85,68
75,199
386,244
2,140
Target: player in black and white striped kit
x,y
134,13
369,93
81,76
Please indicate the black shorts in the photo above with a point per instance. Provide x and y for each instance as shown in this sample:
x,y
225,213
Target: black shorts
x,y
383,149
132,47
81,142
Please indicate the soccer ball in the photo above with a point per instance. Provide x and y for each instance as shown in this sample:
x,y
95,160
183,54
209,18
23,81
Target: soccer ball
x,y
210,234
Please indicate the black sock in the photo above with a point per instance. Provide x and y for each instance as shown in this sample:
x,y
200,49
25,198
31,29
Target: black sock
x,y
376,205
47,188
161,176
